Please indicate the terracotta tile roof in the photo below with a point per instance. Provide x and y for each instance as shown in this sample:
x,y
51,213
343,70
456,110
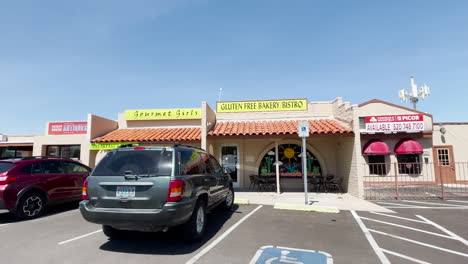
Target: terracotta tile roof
x,y
277,127
151,134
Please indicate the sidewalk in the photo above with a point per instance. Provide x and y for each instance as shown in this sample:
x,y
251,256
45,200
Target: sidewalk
x,y
326,200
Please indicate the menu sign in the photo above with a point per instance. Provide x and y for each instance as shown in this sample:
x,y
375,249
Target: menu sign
x,y
395,123
67,128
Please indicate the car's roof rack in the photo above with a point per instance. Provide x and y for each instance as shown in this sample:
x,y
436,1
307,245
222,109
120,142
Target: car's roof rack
x,y
36,157
178,144
42,157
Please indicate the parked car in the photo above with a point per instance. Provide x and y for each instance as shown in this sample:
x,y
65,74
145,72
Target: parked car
x,y
28,185
156,188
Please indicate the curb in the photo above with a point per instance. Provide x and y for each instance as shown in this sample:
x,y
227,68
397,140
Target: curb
x,y
306,208
241,201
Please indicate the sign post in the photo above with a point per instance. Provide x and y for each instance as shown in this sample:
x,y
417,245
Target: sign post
x,y
304,133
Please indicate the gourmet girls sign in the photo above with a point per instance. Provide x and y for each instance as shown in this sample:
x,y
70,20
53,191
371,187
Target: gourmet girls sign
x,y
67,128
395,123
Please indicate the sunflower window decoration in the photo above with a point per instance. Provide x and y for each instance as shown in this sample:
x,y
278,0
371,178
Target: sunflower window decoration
x,y
290,157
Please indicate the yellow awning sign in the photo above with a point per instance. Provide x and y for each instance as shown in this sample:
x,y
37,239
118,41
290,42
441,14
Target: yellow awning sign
x,y
109,145
262,106
163,114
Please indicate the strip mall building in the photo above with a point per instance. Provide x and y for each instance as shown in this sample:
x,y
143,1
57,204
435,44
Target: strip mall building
x,y
366,145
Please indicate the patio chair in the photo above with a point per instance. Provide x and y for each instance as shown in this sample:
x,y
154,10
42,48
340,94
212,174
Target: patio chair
x,y
316,183
268,183
254,182
328,182
336,184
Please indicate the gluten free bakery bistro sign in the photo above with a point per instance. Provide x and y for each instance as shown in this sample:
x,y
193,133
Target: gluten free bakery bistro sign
x,y
262,106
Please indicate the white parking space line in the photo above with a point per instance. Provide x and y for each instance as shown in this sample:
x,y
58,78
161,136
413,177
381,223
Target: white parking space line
x,y
221,237
443,229
404,256
457,201
409,228
425,207
399,217
79,237
419,243
397,204
438,204
371,239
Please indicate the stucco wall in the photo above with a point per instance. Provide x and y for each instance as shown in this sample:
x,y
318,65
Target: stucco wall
x,y
40,143
208,121
100,126
20,138
455,135
252,152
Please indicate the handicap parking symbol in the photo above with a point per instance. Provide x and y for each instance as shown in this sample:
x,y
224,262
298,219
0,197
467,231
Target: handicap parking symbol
x,y
278,255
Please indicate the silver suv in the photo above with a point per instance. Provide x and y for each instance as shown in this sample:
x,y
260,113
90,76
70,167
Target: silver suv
x,y
155,188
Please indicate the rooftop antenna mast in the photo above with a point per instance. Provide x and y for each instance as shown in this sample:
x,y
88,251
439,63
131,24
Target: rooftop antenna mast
x,y
220,94
415,94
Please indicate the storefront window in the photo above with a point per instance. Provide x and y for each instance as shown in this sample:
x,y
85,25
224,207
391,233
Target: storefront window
x,y
70,152
377,164
15,152
290,156
409,164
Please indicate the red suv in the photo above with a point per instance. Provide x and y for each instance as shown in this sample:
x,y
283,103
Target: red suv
x,y
27,185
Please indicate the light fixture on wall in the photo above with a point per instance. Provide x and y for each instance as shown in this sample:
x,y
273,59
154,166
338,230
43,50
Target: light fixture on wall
x,y
443,130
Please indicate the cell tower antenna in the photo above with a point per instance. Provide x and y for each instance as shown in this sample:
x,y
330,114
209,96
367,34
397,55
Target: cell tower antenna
x,y
220,94
415,94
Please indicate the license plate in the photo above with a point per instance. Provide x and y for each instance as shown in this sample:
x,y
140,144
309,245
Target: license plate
x,y
125,192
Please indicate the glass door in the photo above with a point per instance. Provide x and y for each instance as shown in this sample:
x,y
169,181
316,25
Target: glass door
x,y
230,159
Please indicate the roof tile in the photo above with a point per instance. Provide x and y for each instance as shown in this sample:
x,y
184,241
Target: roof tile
x,y
151,134
277,127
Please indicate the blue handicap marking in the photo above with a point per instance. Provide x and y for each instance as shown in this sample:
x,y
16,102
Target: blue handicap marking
x,y
278,255
303,128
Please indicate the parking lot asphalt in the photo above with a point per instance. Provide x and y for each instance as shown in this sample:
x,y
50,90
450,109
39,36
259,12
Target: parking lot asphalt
x,y
427,231
63,236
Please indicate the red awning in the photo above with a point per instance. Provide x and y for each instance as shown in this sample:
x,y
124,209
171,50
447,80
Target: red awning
x,y
375,147
408,146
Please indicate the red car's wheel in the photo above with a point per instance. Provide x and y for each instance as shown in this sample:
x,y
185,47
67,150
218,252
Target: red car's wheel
x,y
31,205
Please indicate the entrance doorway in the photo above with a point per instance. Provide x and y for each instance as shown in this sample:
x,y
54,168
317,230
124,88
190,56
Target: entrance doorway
x,y
230,159
444,164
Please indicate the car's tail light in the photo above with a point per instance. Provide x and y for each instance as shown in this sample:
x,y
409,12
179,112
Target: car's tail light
x,y
176,188
6,179
139,148
84,193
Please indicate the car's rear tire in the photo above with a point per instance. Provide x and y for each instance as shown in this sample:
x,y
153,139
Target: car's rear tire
x,y
31,205
228,202
194,229
111,232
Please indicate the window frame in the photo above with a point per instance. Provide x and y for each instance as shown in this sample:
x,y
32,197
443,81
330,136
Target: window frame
x,y
377,166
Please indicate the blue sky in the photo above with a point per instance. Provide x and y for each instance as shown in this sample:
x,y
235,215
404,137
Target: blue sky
x,y
60,60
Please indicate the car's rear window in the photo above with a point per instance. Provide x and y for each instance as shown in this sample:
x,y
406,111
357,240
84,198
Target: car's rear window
x,y
4,166
135,162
